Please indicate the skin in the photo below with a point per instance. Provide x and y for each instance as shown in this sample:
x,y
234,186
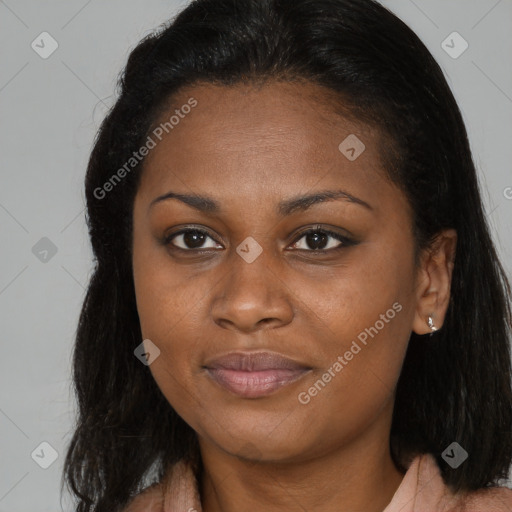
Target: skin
x,y
248,148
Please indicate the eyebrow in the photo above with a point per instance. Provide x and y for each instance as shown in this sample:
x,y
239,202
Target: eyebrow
x,y
286,207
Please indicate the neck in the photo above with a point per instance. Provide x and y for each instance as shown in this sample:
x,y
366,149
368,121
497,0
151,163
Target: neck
x,y
357,477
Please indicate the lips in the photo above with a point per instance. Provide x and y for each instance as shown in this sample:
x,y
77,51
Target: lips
x,y
253,375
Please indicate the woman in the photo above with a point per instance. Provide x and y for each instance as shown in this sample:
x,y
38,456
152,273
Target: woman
x,y
296,303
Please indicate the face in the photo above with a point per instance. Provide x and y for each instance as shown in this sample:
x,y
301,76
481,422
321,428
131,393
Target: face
x,y
327,283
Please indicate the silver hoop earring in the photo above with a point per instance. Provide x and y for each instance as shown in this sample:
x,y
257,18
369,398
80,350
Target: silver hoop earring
x,y
430,322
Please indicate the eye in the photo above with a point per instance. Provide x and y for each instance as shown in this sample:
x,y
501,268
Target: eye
x,y
189,240
317,240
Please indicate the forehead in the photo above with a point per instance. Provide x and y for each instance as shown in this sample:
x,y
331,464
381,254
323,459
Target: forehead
x,y
250,138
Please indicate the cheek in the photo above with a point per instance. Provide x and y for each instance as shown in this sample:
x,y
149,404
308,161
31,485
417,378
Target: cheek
x,y
369,296
168,305
368,311
164,296
164,304
169,316
164,316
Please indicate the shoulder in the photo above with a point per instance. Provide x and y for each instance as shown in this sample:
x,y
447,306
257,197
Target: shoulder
x,y
423,490
150,499
178,490
491,499
496,499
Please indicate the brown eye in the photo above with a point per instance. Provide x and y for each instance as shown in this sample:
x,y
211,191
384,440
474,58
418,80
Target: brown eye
x,y
319,239
190,239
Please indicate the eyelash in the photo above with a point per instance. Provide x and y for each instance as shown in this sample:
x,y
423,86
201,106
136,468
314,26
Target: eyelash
x,y
345,241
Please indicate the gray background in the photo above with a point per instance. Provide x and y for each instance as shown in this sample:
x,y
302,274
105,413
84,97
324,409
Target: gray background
x,y
51,109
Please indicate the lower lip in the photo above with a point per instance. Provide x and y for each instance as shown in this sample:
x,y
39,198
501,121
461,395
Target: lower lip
x,y
254,384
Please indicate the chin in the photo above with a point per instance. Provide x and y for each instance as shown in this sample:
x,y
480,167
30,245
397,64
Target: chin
x,y
255,444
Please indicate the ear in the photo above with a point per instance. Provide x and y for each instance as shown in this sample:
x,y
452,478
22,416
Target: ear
x,y
433,281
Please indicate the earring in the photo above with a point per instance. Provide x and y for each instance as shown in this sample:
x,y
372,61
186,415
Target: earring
x,y
430,322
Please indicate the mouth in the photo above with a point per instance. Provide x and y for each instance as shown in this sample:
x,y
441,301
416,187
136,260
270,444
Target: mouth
x,y
254,375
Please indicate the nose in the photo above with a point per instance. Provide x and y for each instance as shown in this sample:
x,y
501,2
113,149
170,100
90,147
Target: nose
x,y
252,296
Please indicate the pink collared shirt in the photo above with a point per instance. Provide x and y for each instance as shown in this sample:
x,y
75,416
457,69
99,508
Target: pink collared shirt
x,y
421,490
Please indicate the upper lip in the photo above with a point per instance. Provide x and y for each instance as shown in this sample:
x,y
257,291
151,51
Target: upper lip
x,y
254,361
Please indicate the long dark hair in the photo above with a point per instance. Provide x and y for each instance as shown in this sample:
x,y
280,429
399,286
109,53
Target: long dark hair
x,y
455,386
